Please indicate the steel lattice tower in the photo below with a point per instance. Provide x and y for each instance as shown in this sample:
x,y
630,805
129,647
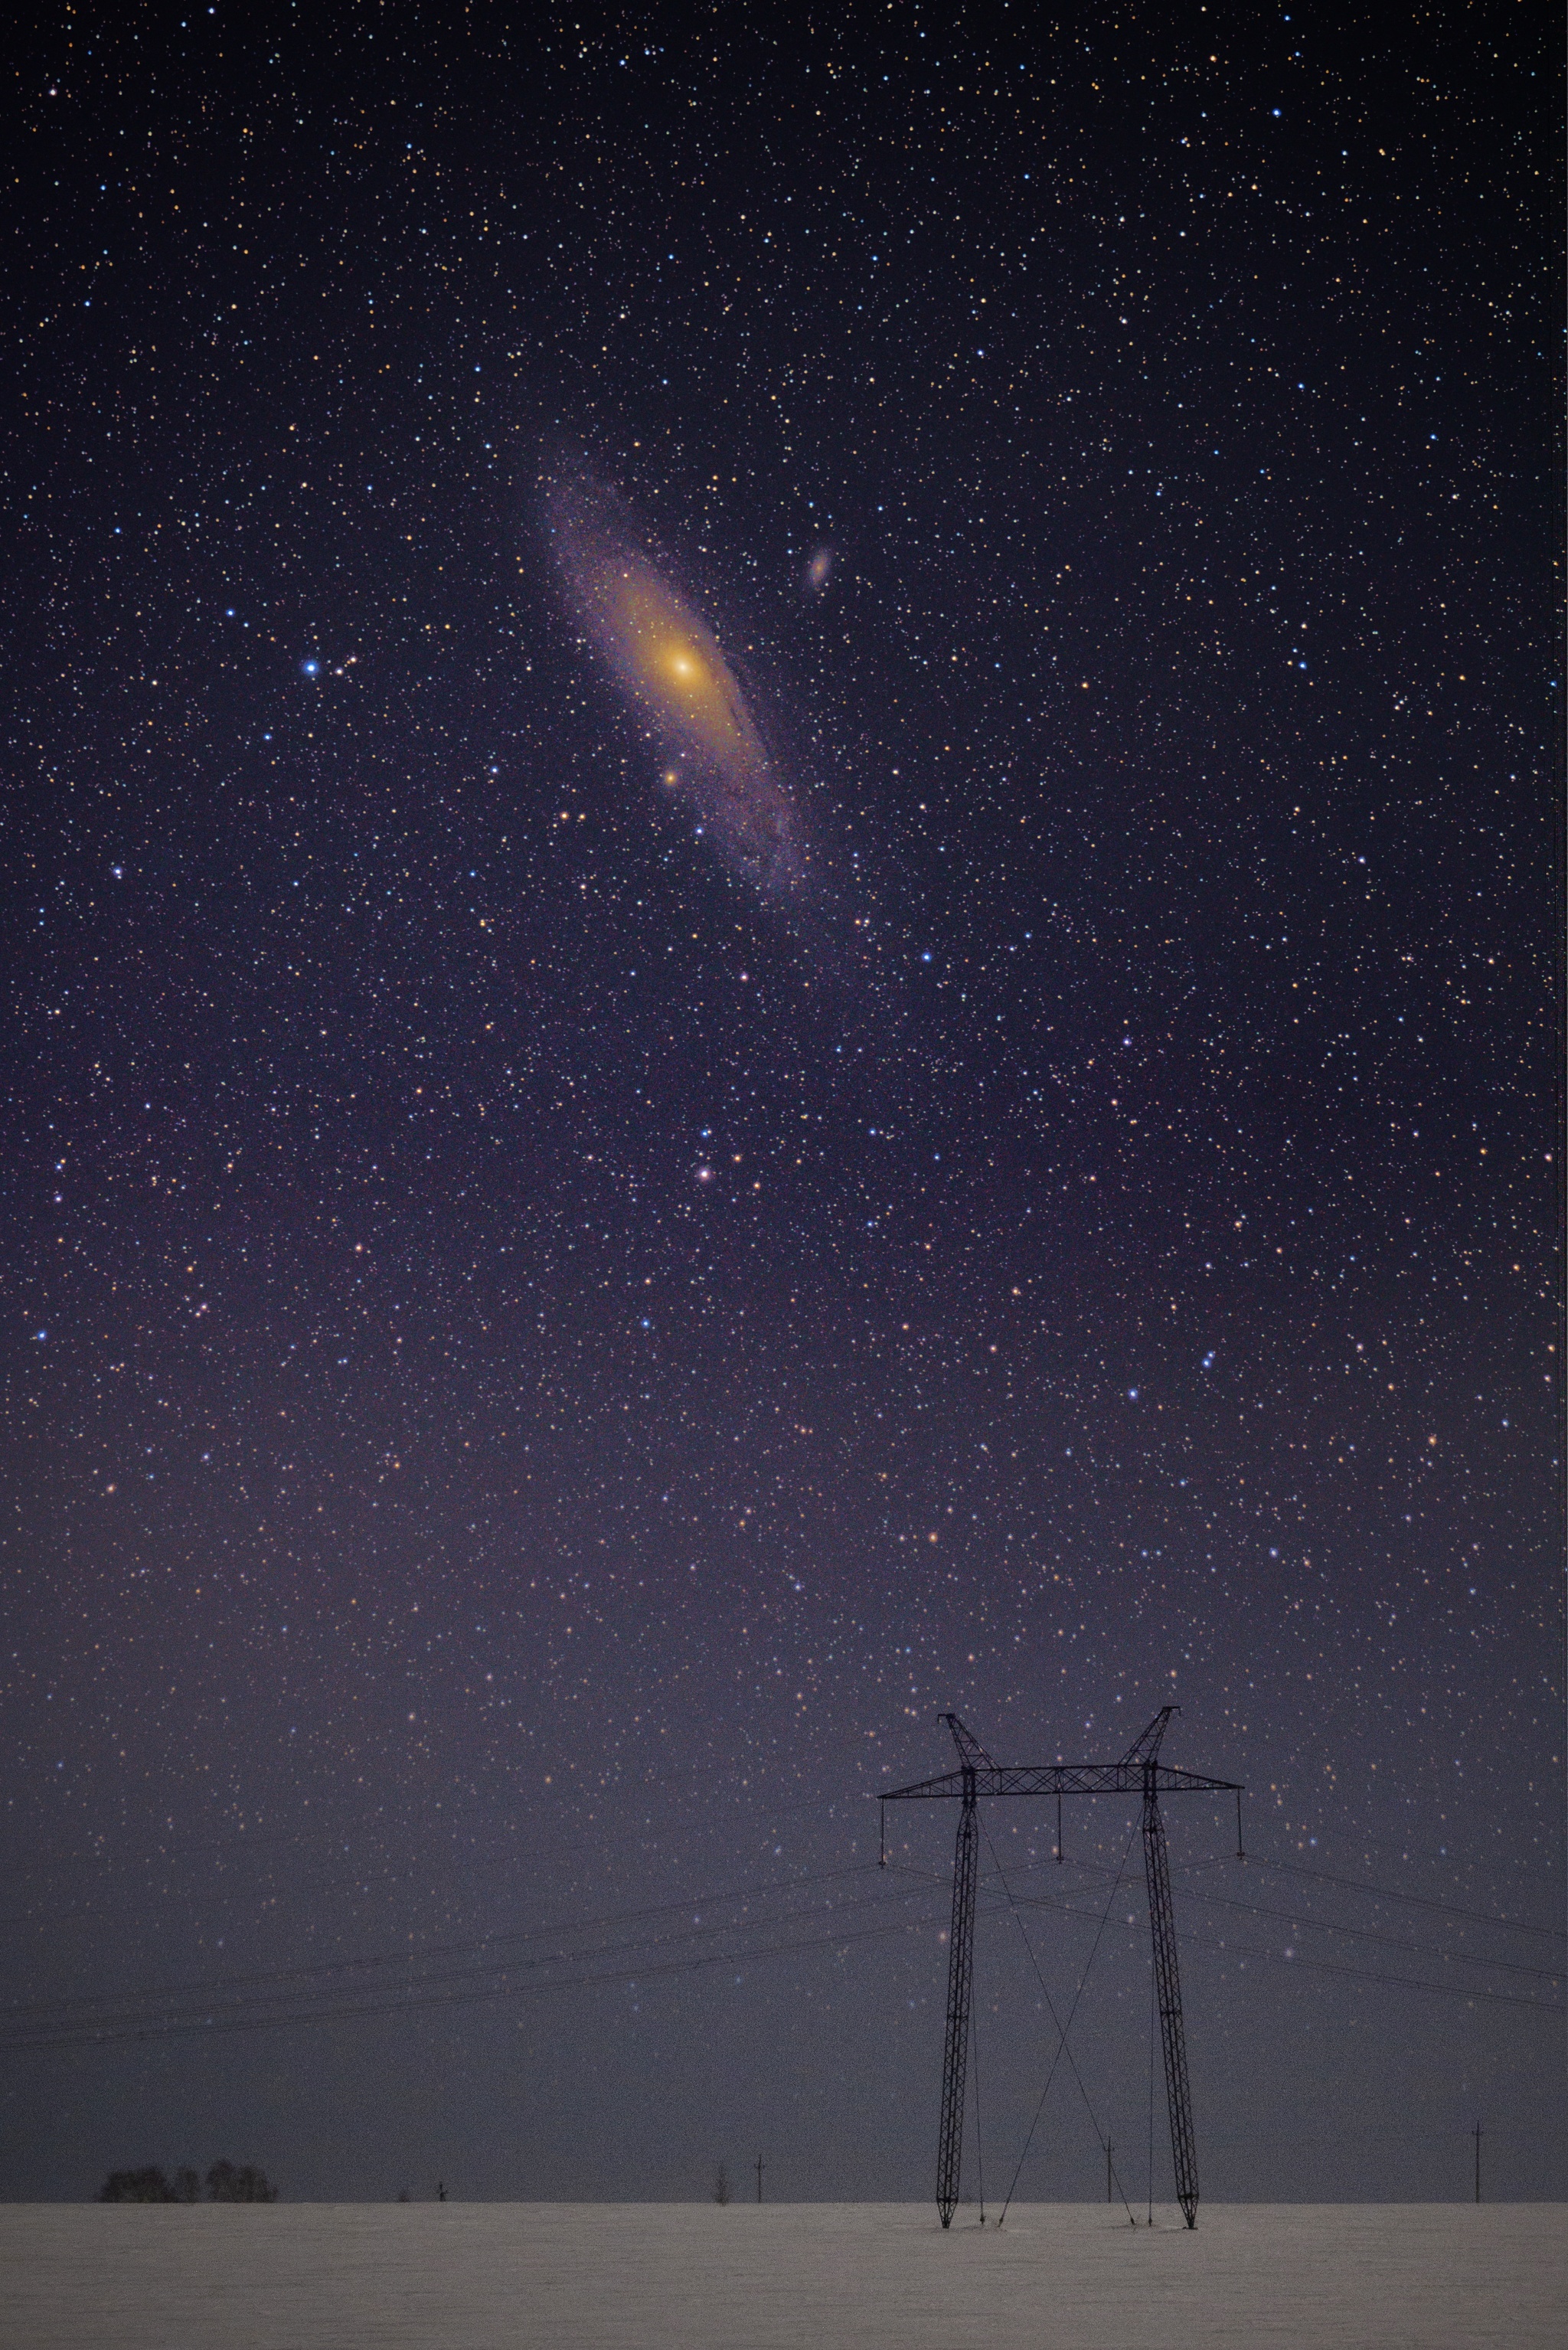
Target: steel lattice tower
x,y
961,1978
1138,1772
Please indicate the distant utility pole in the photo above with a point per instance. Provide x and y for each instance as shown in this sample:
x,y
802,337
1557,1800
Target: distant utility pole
x,y
1476,2133
760,2179
1109,2196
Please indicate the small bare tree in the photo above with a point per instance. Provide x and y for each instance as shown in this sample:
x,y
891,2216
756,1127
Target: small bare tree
x,y
244,2183
146,2186
720,2184
227,2182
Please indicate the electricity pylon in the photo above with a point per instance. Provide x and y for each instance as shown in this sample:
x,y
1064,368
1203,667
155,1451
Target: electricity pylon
x,y
1138,1772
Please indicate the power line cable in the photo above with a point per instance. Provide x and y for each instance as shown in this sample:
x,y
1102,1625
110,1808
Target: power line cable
x,y
1332,1966
108,2012
1328,1876
1367,1974
246,1842
219,1984
343,2013
1303,1921
1416,1900
87,2035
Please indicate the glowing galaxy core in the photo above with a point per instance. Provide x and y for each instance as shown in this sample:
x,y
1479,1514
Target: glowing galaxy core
x,y
664,655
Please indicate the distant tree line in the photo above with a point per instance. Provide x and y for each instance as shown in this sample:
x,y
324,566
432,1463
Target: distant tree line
x,y
227,2182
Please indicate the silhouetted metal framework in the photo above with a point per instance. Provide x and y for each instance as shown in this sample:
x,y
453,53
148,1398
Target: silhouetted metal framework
x,y
960,1975
1138,1772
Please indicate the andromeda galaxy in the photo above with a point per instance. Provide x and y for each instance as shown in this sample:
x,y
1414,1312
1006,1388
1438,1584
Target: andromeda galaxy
x,y
668,661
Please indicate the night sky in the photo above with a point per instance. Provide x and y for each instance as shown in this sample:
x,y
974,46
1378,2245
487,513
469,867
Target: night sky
x,y
545,1342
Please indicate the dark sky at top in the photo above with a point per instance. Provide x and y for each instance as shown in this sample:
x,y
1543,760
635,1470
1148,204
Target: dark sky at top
x,y
535,1369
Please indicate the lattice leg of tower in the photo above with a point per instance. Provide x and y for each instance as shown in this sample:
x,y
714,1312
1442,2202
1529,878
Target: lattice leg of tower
x,y
961,1974
1167,1992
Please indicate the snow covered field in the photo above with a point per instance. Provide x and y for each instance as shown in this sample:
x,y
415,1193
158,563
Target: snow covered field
x,y
875,2276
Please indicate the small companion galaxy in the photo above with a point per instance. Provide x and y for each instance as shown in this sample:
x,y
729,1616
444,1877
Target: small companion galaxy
x,y
782,939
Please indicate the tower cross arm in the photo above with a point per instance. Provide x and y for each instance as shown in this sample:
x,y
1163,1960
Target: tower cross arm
x,y
947,1783
1126,1778
1193,1782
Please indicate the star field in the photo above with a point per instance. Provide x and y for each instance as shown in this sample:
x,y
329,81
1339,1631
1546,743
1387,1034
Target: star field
x,y
535,1370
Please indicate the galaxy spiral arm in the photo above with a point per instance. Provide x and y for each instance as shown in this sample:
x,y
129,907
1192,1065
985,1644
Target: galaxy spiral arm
x,y
669,665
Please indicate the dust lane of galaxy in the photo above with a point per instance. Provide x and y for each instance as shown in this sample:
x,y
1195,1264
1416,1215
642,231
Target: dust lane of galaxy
x,y
666,658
